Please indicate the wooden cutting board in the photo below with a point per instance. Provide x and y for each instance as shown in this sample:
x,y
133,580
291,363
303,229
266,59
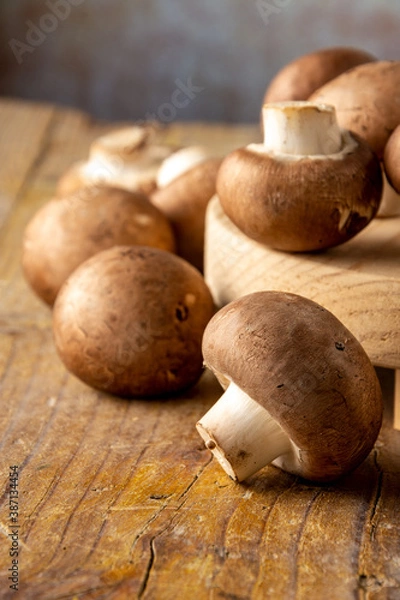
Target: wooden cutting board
x,y
119,499
358,281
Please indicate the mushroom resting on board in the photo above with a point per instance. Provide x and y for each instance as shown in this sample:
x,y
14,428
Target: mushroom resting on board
x,y
301,393
309,186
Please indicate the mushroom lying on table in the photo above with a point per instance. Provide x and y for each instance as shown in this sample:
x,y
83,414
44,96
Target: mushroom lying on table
x,y
130,321
301,393
67,231
127,158
309,186
186,183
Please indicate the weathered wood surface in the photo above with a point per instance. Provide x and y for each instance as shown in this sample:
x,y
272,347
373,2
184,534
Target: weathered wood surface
x,y
118,499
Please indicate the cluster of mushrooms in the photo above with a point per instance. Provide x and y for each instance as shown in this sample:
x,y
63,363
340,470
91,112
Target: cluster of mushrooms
x,y
118,253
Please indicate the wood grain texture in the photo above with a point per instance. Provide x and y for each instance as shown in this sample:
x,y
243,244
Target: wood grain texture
x,y
119,499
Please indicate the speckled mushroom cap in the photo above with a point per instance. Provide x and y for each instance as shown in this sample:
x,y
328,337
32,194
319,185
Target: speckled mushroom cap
x,y
391,159
302,76
307,370
184,202
67,231
367,101
130,321
304,204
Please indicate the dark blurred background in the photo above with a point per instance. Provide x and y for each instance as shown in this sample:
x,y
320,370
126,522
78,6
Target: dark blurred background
x,y
127,59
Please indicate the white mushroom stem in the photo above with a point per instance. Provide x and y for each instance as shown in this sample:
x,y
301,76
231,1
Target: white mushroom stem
x,y
300,128
125,157
179,162
241,434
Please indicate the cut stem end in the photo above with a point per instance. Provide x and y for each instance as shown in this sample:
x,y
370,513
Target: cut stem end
x,y
301,128
241,434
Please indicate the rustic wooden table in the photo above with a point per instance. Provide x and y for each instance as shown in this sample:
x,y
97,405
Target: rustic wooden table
x,y
119,499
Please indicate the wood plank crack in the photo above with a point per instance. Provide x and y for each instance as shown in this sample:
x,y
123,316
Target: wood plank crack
x,y
86,492
192,483
374,517
368,582
307,512
152,544
149,567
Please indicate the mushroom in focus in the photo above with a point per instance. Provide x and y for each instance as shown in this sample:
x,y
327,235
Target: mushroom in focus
x,y
127,158
66,231
301,393
130,321
302,76
186,183
309,186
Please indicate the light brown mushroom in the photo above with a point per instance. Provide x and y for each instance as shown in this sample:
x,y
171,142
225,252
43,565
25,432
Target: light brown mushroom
x,y
301,77
309,186
66,231
187,181
391,159
130,321
128,158
367,101
301,393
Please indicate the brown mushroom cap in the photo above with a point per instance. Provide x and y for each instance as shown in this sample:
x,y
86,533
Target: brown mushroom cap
x,y
301,77
301,205
367,101
301,364
184,202
67,231
391,159
130,321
